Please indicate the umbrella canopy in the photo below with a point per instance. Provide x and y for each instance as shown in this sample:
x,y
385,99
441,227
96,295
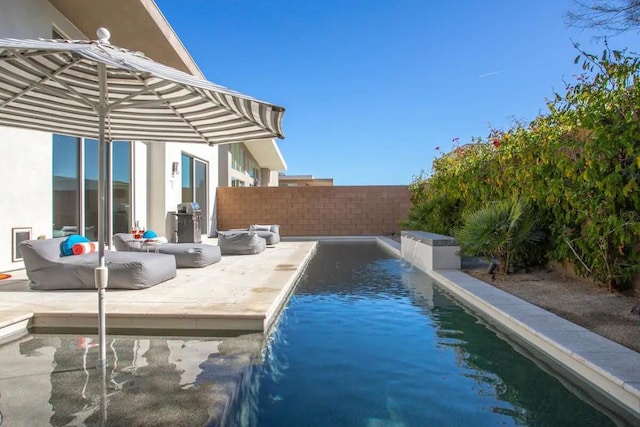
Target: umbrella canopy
x,y
94,89
52,86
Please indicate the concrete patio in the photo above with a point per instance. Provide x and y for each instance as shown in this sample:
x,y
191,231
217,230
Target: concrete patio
x,y
240,293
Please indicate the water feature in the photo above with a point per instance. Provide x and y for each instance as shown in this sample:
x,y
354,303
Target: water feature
x,y
368,341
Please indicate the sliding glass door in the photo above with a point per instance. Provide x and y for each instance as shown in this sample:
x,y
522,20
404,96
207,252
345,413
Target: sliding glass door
x,y
194,186
66,185
75,186
91,189
121,169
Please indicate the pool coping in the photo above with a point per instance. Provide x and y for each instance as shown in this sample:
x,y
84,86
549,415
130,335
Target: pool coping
x,y
608,366
605,365
239,294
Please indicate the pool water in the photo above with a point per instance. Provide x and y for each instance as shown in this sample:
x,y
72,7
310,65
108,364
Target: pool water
x,y
364,341
368,341
149,381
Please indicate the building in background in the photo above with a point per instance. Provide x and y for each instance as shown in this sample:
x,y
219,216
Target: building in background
x,y
48,181
250,164
303,181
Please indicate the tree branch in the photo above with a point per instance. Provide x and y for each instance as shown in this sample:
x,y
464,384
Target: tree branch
x,y
577,256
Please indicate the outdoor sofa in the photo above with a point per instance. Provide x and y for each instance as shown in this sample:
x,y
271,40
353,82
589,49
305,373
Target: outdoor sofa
x,y
270,233
47,269
187,255
240,242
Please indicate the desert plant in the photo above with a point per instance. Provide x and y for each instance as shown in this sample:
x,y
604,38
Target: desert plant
x,y
503,230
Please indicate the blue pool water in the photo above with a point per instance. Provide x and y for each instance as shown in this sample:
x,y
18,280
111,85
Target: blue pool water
x,y
364,341
368,341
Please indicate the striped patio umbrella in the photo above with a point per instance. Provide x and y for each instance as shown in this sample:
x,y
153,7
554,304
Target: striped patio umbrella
x,y
55,86
94,89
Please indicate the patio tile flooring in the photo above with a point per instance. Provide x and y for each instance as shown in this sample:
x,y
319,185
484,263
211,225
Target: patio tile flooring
x,y
239,293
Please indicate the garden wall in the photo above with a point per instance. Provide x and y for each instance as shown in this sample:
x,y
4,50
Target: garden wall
x,y
316,211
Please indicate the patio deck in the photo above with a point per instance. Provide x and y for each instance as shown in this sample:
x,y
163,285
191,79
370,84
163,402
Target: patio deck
x,y
239,293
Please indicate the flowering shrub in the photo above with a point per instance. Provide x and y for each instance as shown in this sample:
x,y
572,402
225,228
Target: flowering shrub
x,y
578,166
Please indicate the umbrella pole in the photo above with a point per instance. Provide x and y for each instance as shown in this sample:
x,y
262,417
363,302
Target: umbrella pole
x,y
101,272
103,395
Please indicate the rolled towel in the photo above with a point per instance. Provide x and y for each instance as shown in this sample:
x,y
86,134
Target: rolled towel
x,y
160,239
149,235
84,248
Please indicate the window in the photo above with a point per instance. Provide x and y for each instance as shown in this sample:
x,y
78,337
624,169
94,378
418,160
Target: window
x,y
66,185
235,182
237,157
91,189
121,176
187,178
242,161
75,186
255,174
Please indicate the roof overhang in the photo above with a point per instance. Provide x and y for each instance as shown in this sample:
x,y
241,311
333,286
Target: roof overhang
x,y
134,24
267,154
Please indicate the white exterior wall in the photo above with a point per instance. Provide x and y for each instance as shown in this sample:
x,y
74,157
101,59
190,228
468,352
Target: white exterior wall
x,y
274,179
224,165
26,188
156,197
27,19
26,156
241,176
165,190
268,177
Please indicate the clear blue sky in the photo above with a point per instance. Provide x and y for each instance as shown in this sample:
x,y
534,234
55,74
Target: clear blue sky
x,y
371,87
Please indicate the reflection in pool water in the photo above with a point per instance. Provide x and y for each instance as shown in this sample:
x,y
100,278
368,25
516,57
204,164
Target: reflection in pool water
x,y
368,341
52,379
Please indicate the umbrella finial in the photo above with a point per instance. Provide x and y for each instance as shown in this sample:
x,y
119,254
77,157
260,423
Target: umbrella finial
x,y
103,35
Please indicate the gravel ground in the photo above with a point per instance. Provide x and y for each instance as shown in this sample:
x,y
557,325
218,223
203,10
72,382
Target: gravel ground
x,y
582,302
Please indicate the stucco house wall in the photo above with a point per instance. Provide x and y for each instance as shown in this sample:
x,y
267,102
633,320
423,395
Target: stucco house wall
x,y
26,156
26,180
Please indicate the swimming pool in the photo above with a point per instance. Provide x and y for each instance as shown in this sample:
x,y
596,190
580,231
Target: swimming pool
x,y
367,341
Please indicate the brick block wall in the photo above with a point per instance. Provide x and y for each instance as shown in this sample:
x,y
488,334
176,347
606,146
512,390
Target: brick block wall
x,y
316,211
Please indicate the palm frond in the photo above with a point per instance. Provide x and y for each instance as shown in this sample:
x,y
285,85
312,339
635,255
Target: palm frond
x,y
503,229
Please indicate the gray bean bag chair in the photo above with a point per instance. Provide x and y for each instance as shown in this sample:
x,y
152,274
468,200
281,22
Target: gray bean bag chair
x,y
240,242
270,233
187,255
48,270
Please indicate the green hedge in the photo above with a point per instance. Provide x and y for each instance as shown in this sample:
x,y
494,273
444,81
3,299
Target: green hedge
x,y
577,165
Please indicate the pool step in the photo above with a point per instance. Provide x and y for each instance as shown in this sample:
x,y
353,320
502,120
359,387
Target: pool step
x,y
14,324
